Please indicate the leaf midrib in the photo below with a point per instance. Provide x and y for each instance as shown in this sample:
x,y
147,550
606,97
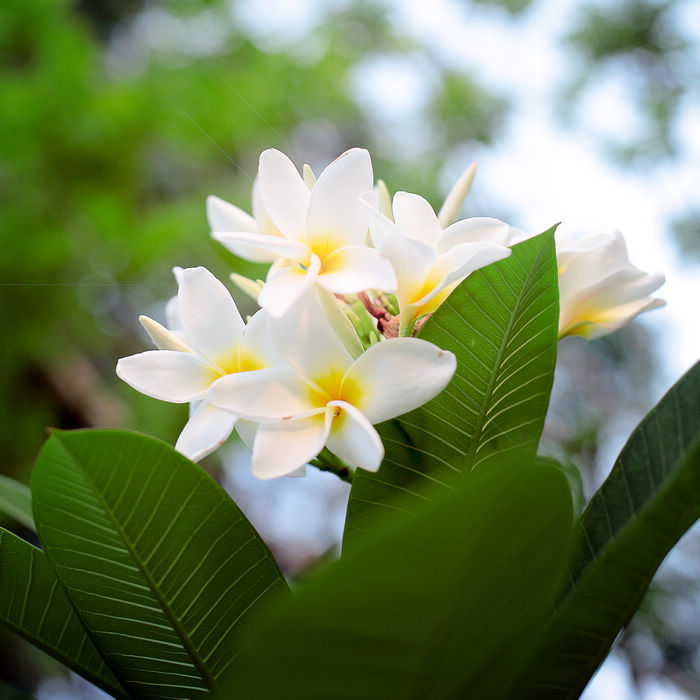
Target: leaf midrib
x,y
72,662
482,415
662,489
184,638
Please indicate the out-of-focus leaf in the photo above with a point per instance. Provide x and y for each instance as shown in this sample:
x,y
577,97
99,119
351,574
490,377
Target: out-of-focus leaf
x,y
502,325
16,501
161,565
34,605
650,499
440,604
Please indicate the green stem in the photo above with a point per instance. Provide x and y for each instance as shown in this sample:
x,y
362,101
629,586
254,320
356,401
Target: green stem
x,y
328,462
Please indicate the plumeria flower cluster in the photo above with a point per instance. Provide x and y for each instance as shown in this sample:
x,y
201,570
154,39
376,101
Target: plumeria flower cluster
x,y
353,275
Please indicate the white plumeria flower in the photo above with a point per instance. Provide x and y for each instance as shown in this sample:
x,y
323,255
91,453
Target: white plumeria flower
x,y
327,398
599,290
213,342
430,261
323,230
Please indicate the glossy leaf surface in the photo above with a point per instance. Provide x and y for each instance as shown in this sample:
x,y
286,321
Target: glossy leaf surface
x,y
439,604
502,325
160,563
650,499
34,605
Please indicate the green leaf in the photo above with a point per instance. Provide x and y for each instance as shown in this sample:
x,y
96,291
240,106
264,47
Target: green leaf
x,y
34,605
502,325
16,502
161,565
435,605
650,499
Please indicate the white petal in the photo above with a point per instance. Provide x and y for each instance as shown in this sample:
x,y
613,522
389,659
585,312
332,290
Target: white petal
x,y
478,229
212,324
356,268
246,430
353,438
585,261
416,218
335,209
205,431
168,375
282,448
611,320
285,197
398,375
286,285
223,216
449,211
379,225
256,345
162,338
307,341
263,248
265,225
610,303
412,262
275,393
177,272
463,259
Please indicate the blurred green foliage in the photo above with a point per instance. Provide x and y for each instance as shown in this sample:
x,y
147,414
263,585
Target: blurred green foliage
x,y
113,135
645,43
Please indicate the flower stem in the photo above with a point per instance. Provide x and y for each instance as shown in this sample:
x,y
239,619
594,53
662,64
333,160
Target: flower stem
x,y
328,462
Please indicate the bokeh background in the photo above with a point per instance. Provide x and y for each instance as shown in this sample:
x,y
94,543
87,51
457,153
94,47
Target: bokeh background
x,y
119,117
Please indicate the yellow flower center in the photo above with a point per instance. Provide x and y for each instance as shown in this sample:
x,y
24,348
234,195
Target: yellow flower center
x,y
323,244
335,386
239,360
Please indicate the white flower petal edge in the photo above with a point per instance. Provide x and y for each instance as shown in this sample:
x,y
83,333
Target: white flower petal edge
x,y
275,393
398,375
353,438
355,268
599,290
281,449
210,319
416,218
284,287
205,431
228,221
284,194
168,375
334,205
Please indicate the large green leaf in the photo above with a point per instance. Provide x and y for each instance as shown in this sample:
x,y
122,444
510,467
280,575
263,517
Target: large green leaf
x,y
34,605
159,562
650,499
16,501
502,325
440,604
